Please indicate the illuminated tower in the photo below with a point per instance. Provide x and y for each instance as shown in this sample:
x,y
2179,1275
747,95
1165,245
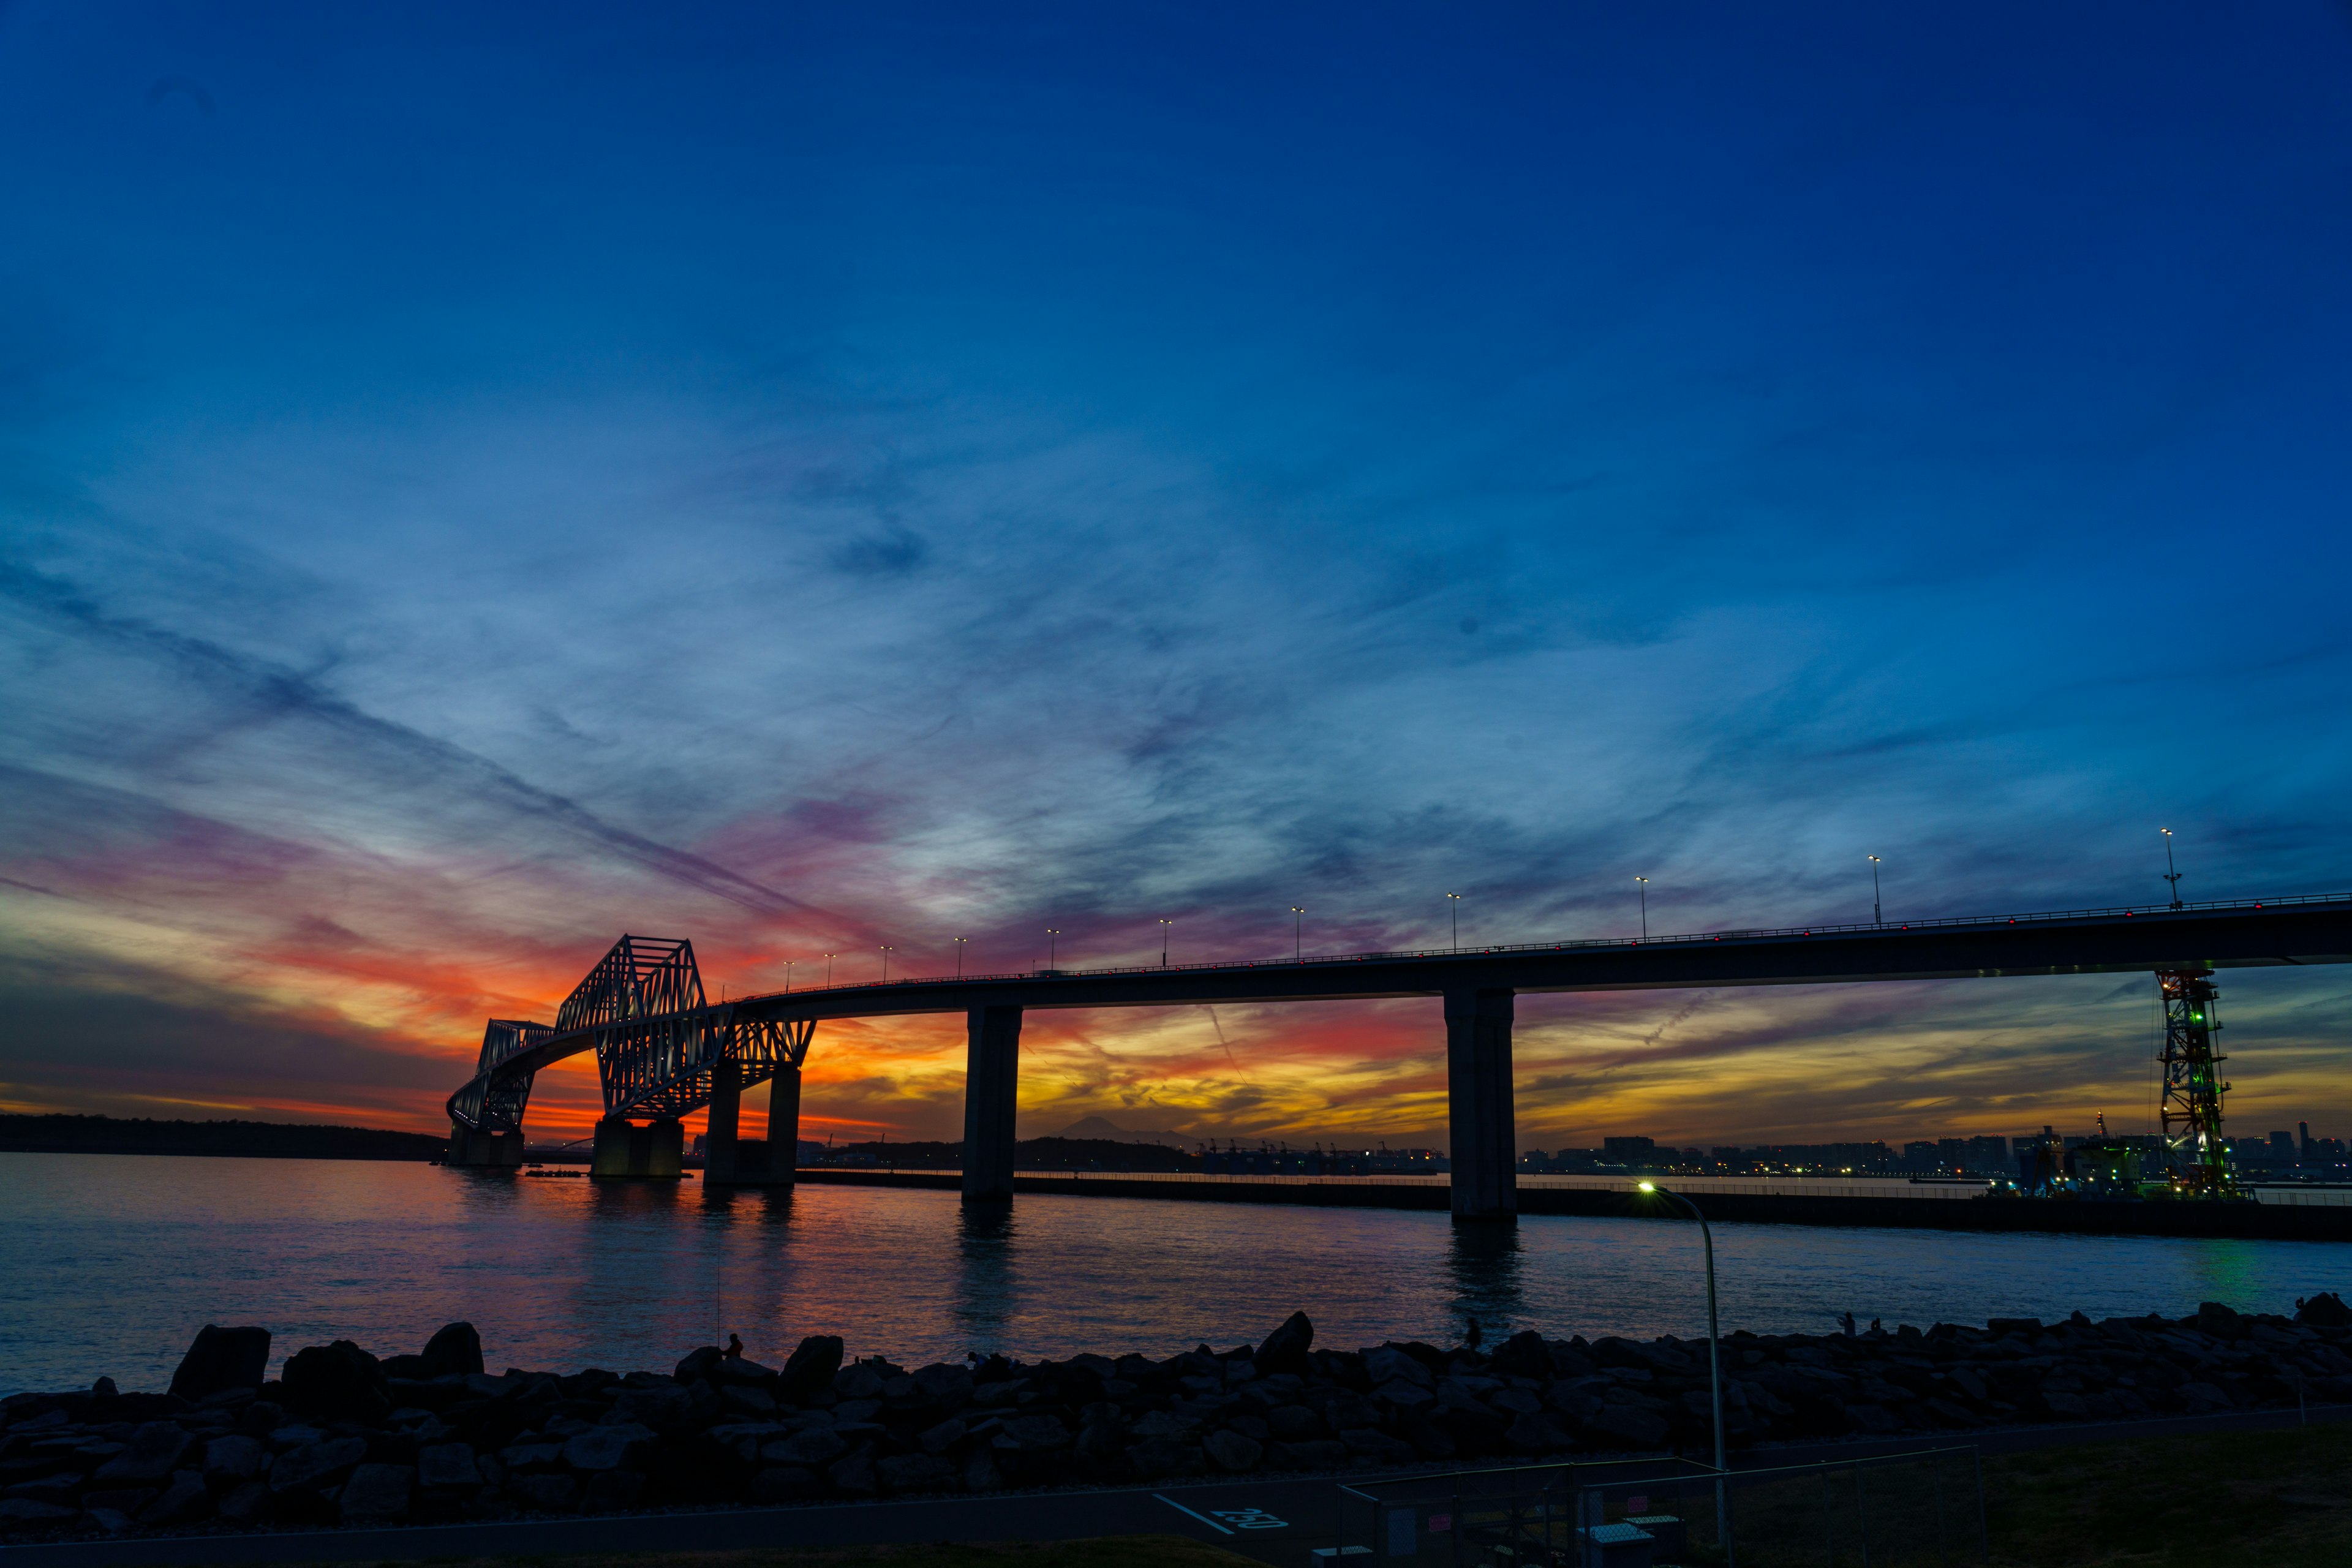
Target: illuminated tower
x,y
2192,1087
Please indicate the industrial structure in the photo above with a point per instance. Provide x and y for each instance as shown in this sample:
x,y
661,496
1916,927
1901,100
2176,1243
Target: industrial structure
x,y
664,1049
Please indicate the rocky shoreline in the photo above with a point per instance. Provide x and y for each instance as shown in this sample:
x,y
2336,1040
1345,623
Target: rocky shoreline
x,y
345,1437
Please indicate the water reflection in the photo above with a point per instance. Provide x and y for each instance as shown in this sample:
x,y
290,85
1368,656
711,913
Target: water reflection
x,y
1485,1262
986,1237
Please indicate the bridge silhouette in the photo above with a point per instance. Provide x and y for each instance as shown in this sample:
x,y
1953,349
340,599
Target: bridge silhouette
x,y
664,1049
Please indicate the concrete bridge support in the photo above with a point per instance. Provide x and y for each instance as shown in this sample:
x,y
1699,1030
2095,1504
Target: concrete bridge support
x,y
658,1150
732,1160
495,1150
991,1086
1478,1085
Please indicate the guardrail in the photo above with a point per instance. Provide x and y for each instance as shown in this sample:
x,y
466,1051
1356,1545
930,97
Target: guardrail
x,y
1310,961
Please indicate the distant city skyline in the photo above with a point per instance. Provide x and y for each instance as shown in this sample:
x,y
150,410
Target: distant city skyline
x,y
817,483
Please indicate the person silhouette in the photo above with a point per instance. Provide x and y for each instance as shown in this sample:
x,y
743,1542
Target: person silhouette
x,y
1473,1335
734,1347
1845,1321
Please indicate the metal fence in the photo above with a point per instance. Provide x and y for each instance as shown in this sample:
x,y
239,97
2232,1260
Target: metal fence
x,y
1922,1509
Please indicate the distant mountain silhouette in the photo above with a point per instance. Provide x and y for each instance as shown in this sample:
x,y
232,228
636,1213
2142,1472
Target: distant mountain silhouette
x,y
1103,1126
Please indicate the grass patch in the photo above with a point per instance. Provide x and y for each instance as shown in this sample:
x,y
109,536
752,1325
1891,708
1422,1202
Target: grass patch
x,y
2236,1499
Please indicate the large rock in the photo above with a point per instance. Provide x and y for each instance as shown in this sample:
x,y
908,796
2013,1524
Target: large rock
x,y
1524,1354
149,1457
1231,1451
1156,1458
231,1459
781,1484
1286,1348
447,1464
338,1382
1629,1424
315,1464
811,1449
1388,1364
185,1501
20,1514
1541,1432
376,1492
454,1350
1031,1435
2324,1310
2221,1321
669,1408
608,1448
545,1493
222,1358
917,1473
812,1366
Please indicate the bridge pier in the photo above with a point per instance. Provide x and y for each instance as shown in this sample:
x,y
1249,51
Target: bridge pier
x,y
1484,1130
497,1150
657,1150
990,1088
732,1160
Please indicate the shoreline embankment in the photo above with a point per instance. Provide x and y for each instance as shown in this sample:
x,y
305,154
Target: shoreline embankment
x,y
343,1437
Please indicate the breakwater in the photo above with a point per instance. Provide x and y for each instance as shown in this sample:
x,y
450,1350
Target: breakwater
x,y
342,1437
2244,1221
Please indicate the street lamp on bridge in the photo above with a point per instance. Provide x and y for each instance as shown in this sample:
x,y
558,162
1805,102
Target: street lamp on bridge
x,y
2171,871
1457,906
828,970
887,951
1877,914
1644,882
960,941
1053,936
1163,943
1298,939
788,974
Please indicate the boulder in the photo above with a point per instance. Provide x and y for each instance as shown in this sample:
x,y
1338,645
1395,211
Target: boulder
x,y
860,1382
1388,1364
232,1459
376,1492
447,1464
248,1504
812,1365
2324,1310
18,1515
782,1484
2221,1322
317,1463
917,1473
700,1364
1628,1424
742,1399
945,1384
817,1446
1294,1423
544,1491
613,1447
1403,1395
222,1358
1541,1432
1156,1458
454,1350
939,1439
1232,1452
338,1382
149,1457
980,1471
669,1408
1379,1447
855,1474
1287,1349
608,1492
1524,1354
1032,1434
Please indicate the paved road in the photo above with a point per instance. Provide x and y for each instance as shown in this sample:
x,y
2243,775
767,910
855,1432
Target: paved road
x,y
1278,1520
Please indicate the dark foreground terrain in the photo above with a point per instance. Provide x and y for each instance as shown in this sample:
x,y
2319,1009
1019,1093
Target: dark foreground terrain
x,y
244,1140
344,1438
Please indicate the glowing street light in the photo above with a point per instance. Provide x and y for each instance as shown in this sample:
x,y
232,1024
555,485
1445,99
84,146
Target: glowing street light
x,y
1644,881
960,941
887,951
1877,916
1714,1350
1053,935
1298,940
829,970
1457,921
2171,871
788,974
1163,943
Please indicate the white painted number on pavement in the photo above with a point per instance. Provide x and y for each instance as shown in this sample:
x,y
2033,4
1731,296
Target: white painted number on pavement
x,y
1250,1518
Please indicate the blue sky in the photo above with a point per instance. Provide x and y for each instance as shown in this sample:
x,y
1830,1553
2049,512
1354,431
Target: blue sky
x,y
474,480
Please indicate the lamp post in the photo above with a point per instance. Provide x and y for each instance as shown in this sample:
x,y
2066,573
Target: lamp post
x,y
1457,906
1163,943
886,964
1644,882
1053,935
788,974
960,941
828,970
2171,871
1877,914
1298,939
1714,1354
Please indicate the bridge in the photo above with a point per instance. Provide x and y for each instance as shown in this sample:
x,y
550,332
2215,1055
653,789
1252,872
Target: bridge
x,y
664,1049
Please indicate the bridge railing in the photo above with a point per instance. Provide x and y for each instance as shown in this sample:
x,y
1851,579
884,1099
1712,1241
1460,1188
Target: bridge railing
x,y
1312,960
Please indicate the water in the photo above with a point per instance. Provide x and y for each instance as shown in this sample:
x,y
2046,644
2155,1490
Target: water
x,y
110,1264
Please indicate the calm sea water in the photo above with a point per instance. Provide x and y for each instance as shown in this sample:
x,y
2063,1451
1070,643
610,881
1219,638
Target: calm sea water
x,y
110,1264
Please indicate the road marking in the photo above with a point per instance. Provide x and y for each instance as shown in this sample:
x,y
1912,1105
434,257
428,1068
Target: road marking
x,y
1251,1519
1204,1518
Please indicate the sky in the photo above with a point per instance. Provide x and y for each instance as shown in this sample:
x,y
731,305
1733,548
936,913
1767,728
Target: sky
x,y
478,480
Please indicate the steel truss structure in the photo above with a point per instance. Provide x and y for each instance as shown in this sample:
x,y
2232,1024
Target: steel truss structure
x,y
2192,1087
656,1036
